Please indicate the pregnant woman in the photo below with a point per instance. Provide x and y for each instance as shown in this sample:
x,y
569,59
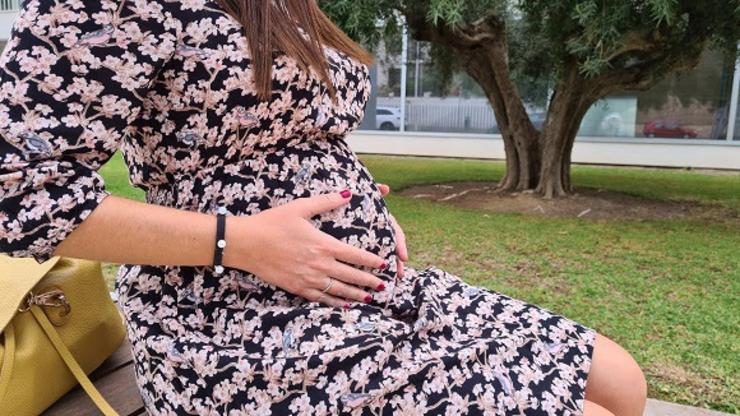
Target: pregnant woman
x,y
239,110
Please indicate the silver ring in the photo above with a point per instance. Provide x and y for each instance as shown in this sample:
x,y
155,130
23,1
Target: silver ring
x,y
331,282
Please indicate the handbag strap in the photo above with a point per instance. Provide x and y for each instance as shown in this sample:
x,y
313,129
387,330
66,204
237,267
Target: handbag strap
x,y
72,364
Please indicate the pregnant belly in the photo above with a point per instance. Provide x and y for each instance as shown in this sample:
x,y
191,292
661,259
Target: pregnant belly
x,y
263,181
274,177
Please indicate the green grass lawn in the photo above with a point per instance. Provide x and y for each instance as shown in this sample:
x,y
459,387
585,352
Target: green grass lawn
x,y
665,290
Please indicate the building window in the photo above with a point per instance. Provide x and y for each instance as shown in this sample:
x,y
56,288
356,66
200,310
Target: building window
x,y
690,105
8,5
383,111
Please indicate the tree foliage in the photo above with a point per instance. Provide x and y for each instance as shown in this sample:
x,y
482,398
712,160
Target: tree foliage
x,y
582,49
601,35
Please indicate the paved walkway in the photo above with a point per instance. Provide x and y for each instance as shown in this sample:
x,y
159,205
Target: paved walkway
x,y
660,408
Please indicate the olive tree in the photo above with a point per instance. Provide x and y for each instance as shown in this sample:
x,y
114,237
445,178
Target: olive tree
x,y
587,49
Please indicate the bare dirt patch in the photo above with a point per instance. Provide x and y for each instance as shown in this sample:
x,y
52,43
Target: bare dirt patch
x,y
584,203
664,374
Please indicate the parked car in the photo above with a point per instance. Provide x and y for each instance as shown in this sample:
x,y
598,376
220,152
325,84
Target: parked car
x,y
388,118
667,128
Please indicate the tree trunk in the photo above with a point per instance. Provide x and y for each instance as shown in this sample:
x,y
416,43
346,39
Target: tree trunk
x,y
567,108
535,161
521,144
540,161
521,140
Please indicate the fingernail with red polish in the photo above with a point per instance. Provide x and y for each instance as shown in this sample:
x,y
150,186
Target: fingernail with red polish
x,y
380,288
346,306
368,298
383,266
345,193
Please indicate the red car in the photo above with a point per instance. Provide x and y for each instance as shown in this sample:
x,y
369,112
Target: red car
x,y
665,128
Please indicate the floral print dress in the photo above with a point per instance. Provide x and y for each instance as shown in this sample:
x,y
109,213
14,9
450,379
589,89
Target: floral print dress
x,y
169,83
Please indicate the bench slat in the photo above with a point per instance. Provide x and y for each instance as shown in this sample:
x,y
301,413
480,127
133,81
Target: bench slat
x,y
120,358
116,381
119,389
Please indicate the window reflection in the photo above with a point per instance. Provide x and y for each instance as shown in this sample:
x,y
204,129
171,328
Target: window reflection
x,y
694,105
436,103
689,105
736,136
383,111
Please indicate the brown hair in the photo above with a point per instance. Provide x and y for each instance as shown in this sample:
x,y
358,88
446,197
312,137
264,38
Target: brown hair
x,y
277,24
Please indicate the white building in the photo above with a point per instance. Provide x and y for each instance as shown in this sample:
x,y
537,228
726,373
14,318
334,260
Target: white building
x,y
689,120
685,121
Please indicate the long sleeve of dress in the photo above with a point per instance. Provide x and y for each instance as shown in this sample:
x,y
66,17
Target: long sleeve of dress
x,y
72,80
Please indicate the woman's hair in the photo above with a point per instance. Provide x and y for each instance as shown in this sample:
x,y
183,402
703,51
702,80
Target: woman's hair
x,y
276,25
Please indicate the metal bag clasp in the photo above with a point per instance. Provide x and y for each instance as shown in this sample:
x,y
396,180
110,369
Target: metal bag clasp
x,y
54,298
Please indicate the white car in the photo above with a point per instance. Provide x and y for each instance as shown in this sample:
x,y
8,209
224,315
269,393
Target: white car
x,y
388,118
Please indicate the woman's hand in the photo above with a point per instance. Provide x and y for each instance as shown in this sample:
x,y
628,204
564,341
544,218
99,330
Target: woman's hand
x,y
401,251
282,247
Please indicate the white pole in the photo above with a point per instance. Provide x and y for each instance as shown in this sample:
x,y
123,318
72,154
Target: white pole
x,y
404,69
416,72
734,97
421,78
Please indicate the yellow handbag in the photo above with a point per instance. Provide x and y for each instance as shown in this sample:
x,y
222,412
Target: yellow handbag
x,y
58,323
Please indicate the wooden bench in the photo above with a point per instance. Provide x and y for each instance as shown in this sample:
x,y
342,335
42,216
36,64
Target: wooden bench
x,y
115,380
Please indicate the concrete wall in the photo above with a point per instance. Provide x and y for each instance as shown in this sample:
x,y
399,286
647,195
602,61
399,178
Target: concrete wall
x,y
639,152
